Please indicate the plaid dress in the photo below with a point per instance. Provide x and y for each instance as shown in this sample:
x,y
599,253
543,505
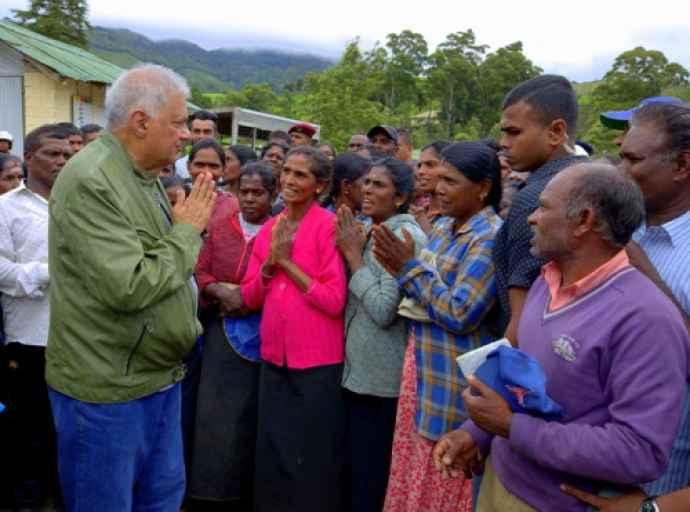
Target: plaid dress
x,y
457,291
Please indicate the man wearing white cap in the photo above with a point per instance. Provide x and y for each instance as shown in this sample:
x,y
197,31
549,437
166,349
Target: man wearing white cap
x,y
5,142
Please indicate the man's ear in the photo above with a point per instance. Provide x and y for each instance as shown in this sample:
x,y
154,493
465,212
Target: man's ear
x,y
586,222
558,133
682,171
139,123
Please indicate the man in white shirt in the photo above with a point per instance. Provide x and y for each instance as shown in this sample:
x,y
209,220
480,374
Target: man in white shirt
x,y
202,125
24,281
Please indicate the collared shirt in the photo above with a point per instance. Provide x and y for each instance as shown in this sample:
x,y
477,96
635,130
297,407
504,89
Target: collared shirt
x,y
562,296
181,169
668,248
515,265
24,266
616,361
457,292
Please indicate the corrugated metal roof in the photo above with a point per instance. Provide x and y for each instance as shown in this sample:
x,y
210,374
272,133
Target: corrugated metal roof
x,y
66,60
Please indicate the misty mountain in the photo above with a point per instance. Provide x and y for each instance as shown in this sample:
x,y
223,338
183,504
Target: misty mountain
x,y
209,70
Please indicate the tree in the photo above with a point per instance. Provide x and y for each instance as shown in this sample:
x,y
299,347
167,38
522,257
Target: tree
x,y
408,56
200,99
339,98
636,74
64,20
498,74
260,97
453,77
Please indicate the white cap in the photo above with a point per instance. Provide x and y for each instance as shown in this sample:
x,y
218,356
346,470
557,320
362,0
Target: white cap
x,y
580,151
5,135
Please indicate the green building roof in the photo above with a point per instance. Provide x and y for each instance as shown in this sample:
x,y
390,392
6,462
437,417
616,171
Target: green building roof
x,y
66,60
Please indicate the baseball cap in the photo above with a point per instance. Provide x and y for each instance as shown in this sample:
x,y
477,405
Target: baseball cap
x,y
619,119
5,135
304,128
390,132
519,378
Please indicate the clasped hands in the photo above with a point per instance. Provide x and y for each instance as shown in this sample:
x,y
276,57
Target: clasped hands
x,y
350,237
282,238
196,209
457,452
228,298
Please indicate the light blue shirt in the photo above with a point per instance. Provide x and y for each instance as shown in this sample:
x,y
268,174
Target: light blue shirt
x,y
668,248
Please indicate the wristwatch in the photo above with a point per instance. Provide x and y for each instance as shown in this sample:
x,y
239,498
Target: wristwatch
x,y
650,505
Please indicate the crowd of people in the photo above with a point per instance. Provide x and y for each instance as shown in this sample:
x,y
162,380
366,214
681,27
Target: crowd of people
x,y
278,331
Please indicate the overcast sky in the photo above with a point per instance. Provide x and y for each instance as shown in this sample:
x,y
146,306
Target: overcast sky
x,y
578,39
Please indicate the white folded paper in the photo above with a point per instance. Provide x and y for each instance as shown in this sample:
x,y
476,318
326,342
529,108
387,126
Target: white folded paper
x,y
470,361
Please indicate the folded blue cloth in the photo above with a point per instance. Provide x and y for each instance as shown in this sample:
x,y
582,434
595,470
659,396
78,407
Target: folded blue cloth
x,y
519,378
243,335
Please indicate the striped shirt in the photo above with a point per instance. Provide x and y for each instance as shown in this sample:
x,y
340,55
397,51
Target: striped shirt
x,y
668,248
458,292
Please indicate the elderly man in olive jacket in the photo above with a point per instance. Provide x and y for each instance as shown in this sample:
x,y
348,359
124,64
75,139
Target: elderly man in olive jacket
x,y
123,302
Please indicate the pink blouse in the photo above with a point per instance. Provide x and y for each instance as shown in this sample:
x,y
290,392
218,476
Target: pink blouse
x,y
300,330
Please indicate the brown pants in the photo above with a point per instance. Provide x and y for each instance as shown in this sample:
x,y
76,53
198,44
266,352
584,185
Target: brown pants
x,y
493,497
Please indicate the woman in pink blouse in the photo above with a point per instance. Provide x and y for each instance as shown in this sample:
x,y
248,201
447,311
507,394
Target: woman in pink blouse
x,y
297,275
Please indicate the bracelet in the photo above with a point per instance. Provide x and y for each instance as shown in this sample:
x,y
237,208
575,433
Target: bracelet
x,y
650,505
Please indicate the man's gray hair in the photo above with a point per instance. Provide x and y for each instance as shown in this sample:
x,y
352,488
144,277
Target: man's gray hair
x,y
614,197
147,87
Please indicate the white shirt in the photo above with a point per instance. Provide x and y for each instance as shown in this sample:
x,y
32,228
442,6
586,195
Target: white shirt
x,y
249,230
181,168
24,266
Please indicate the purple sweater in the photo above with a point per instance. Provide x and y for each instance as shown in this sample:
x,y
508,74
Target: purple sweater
x,y
617,361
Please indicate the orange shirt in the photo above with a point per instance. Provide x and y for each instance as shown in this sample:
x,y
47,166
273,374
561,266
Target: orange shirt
x,y
562,296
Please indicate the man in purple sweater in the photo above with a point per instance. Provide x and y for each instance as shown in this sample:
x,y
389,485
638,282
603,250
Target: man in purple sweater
x,y
613,347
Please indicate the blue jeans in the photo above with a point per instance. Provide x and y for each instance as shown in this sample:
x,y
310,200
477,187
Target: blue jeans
x,y
120,457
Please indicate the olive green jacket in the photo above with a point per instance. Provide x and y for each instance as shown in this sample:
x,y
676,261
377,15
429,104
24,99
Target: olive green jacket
x,y
123,310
